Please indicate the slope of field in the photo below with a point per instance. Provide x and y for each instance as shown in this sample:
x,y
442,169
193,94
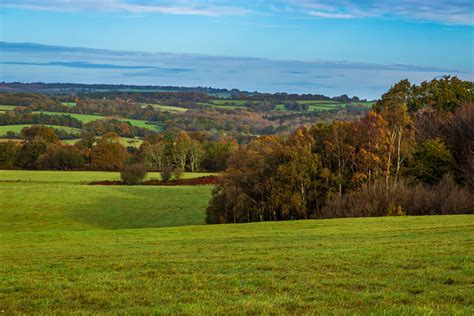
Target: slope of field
x,y
393,265
17,129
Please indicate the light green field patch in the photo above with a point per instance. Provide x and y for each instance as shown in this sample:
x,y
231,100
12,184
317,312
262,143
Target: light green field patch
x,y
125,141
225,107
86,118
168,108
7,107
70,104
229,102
17,129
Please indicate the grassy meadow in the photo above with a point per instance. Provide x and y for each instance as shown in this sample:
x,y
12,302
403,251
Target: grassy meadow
x,y
68,247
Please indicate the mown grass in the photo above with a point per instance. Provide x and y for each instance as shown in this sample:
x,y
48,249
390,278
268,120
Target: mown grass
x,y
68,248
17,129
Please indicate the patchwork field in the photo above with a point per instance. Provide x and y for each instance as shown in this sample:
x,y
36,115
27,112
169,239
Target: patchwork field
x,y
73,248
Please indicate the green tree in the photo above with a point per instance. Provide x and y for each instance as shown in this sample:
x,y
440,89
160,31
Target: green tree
x,y
8,152
431,160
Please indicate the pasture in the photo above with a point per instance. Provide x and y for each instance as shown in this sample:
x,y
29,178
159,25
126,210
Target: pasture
x,y
69,248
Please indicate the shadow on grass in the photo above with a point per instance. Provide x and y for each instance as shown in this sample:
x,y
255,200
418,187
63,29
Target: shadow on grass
x,y
144,207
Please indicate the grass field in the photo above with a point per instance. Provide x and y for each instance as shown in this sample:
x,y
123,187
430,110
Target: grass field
x,y
219,105
7,107
70,104
71,248
166,107
125,141
86,118
17,129
324,105
76,177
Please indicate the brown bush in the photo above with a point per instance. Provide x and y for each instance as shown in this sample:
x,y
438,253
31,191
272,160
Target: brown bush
x,y
133,174
407,197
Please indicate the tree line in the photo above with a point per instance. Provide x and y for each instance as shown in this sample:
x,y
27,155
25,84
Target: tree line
x,y
174,151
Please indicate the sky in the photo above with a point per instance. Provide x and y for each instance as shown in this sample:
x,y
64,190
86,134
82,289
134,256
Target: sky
x,y
421,37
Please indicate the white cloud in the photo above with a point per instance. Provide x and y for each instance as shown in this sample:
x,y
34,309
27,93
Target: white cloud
x,y
329,15
439,11
142,7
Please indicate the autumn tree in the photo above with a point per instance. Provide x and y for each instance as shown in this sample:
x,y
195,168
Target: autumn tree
x,y
37,140
108,153
61,157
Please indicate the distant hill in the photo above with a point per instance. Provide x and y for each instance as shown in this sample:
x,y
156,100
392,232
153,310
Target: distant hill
x,y
76,88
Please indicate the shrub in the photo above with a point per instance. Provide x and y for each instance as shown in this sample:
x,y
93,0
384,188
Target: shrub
x,y
166,173
177,173
134,173
407,197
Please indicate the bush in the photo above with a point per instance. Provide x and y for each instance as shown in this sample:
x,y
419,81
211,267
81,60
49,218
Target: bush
x,y
410,198
166,173
133,174
178,173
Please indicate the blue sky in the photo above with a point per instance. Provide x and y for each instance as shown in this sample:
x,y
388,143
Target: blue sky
x,y
430,33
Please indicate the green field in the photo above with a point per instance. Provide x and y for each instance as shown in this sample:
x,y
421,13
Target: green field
x,y
68,247
70,104
324,105
219,105
17,129
76,177
125,141
168,108
7,107
86,118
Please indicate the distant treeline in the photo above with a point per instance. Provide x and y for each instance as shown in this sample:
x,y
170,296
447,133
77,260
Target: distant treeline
x,y
13,118
174,150
115,89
